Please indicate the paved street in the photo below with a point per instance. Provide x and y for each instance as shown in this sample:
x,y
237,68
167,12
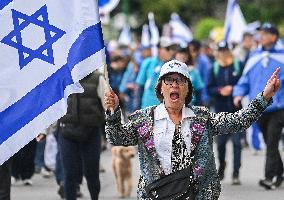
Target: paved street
x,y
252,170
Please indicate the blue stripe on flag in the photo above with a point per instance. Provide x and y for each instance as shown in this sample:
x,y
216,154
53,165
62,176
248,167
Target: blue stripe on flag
x,y
227,33
103,2
51,90
4,3
231,8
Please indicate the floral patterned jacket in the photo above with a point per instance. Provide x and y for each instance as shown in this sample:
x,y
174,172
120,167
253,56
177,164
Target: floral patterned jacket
x,y
205,125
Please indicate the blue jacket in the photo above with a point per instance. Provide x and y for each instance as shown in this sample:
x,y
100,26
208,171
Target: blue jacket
x,y
257,71
139,131
147,78
225,76
204,65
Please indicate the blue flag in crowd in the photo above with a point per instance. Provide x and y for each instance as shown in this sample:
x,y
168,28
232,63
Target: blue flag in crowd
x,y
46,47
235,24
180,32
145,36
125,35
154,32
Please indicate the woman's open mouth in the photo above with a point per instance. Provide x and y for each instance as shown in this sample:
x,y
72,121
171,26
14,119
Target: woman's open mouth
x,y
174,96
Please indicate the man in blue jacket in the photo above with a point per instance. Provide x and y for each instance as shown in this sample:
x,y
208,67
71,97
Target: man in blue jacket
x,y
262,62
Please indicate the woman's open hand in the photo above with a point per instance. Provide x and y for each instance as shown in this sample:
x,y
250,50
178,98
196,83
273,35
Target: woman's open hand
x,y
272,85
111,100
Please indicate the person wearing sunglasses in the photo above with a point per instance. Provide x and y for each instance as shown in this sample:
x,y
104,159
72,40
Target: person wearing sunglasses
x,y
175,141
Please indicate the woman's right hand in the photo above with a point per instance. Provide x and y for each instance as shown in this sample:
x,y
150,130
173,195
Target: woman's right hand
x,y
111,100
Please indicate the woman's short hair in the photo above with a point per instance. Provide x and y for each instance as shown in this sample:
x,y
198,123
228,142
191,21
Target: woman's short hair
x,y
159,95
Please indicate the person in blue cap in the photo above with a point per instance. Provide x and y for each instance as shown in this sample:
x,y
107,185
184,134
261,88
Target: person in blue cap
x,y
261,63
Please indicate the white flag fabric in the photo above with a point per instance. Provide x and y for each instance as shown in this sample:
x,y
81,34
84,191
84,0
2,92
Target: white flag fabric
x,y
125,36
46,47
235,24
155,36
145,36
180,33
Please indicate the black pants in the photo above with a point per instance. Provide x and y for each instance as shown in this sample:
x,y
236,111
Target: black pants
x,y
78,155
5,181
271,125
23,161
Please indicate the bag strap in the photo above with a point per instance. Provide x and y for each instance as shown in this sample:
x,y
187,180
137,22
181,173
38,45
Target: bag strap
x,y
216,68
237,67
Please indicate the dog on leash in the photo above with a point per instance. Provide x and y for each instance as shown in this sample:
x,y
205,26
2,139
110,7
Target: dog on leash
x,y
122,168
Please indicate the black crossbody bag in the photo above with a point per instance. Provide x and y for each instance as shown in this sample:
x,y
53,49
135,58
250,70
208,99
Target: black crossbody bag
x,y
177,185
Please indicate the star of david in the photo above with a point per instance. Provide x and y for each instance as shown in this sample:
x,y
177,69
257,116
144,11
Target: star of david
x,y
14,38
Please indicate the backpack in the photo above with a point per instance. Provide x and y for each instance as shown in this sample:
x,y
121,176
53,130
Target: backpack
x,y
237,68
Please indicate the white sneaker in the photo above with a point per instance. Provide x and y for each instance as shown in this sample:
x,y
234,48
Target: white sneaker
x,y
45,173
27,182
13,180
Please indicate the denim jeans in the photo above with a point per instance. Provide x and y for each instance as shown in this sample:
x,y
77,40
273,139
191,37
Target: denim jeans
x,y
237,148
59,175
78,156
39,155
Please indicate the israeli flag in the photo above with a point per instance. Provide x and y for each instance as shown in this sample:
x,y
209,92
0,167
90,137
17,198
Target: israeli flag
x,y
235,24
265,56
155,36
46,47
145,36
125,36
180,32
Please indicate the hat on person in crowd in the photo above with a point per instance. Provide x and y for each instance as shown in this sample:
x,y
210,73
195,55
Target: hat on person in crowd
x,y
223,46
166,42
175,66
269,28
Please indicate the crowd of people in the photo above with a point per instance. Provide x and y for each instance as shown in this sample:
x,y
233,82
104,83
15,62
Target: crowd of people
x,y
220,75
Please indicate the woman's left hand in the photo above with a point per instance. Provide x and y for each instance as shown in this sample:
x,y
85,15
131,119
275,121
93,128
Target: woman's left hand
x,y
272,85
40,137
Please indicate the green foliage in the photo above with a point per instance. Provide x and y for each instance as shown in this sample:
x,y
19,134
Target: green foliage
x,y
191,11
263,10
281,28
204,26
188,10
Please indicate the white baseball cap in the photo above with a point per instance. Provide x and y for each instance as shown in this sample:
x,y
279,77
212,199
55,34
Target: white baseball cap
x,y
166,42
175,66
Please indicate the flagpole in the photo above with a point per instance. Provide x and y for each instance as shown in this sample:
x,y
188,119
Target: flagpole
x,y
107,86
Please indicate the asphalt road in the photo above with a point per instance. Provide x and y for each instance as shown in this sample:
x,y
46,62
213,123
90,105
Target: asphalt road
x,y
251,172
